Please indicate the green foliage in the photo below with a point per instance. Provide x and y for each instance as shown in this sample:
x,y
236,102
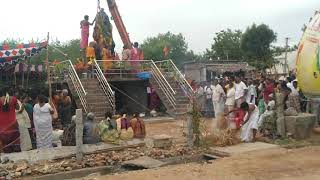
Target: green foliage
x,y
256,45
226,45
176,43
70,48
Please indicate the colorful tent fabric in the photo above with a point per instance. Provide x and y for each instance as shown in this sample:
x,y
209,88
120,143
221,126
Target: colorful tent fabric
x,y
21,51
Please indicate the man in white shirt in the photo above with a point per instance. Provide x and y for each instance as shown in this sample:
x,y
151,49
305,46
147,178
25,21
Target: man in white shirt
x,y
295,90
230,102
240,91
252,93
218,96
289,83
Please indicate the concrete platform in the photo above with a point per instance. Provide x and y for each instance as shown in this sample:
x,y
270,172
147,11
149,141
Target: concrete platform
x,y
300,126
241,148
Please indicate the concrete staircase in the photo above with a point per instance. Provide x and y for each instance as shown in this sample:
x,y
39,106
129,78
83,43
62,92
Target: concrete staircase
x,y
97,101
181,100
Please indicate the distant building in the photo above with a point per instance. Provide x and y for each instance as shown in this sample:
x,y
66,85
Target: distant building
x,y
208,70
280,66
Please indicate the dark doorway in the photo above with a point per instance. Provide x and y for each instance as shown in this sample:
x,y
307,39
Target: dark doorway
x,y
130,96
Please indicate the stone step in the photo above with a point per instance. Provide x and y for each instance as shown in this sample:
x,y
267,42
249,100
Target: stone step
x,y
180,106
100,113
95,92
99,118
181,110
100,108
98,104
182,101
97,99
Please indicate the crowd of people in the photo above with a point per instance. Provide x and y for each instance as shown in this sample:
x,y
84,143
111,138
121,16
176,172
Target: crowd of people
x,y
112,129
245,103
33,122
102,48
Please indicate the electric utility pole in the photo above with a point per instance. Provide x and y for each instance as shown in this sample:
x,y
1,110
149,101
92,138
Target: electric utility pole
x,y
286,57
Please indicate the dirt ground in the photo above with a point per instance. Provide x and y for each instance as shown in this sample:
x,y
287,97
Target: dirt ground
x,y
176,129
279,164
173,129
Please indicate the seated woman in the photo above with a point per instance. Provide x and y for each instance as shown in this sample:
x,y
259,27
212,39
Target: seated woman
x,y
269,112
124,127
138,126
90,134
108,129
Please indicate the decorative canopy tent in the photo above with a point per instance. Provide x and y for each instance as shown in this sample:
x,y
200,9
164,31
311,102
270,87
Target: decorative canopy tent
x,y
12,55
14,60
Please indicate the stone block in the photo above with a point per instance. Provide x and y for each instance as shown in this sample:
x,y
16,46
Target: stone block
x,y
300,126
162,141
143,162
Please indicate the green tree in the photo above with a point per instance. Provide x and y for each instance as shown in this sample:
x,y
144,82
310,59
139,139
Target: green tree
x,y
226,45
176,44
70,48
256,46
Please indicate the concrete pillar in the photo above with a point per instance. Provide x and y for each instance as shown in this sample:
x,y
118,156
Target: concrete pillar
x,y
203,74
190,131
190,126
281,129
79,134
315,108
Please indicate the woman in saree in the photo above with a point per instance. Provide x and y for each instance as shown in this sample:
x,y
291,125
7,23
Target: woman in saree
x,y
85,26
124,127
24,125
108,130
9,135
42,112
138,126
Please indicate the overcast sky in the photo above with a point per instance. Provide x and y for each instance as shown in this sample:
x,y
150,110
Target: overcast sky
x,y
197,20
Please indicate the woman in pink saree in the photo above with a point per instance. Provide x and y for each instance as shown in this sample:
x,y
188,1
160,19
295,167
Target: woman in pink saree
x,y
85,26
135,55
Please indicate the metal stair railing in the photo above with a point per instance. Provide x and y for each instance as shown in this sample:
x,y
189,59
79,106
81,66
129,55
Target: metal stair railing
x,y
169,67
66,70
142,66
104,85
164,85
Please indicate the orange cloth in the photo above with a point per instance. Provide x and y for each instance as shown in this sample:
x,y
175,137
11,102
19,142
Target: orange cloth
x,y
141,55
106,55
90,54
165,51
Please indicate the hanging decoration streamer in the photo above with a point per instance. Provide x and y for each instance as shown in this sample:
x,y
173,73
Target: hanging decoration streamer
x,y
11,56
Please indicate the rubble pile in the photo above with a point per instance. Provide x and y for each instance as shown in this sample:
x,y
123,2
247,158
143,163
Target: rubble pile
x,y
9,170
224,138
